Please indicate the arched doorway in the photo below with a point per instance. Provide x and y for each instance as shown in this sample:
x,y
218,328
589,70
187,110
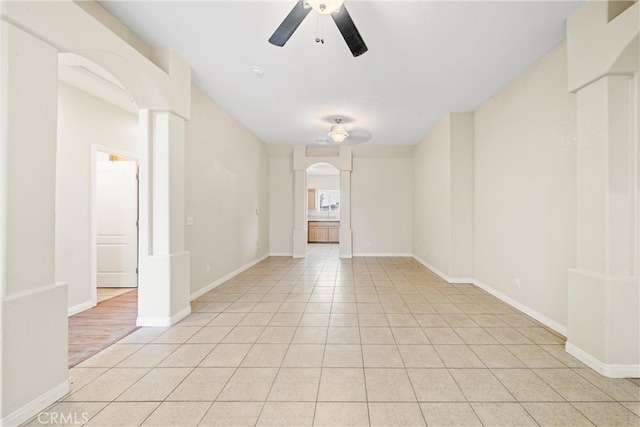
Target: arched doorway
x,y
96,205
97,138
163,264
341,164
323,208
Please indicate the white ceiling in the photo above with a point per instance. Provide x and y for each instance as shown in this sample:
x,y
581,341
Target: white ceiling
x,y
425,59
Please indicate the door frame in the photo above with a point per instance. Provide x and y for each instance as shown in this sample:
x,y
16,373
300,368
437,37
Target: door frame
x,y
95,148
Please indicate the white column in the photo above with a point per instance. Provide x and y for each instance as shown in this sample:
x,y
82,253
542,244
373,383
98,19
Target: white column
x,y
300,216
604,294
164,289
346,250
33,309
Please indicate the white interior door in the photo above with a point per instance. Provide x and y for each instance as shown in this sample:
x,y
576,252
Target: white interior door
x,y
117,215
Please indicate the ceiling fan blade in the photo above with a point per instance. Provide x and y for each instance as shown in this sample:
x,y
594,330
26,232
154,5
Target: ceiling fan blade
x,y
290,24
349,31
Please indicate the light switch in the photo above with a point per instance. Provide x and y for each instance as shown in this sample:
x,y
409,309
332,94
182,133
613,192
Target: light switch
x,y
189,220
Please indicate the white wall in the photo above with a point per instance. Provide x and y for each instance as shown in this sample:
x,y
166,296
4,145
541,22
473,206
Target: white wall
x,y
462,196
226,193
525,188
323,182
281,203
443,198
83,120
382,201
432,197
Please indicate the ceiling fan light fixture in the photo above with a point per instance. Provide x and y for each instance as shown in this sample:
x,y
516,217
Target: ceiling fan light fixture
x,y
338,133
325,6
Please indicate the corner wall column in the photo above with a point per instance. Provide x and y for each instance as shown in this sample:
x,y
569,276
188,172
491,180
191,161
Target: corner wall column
x,y
604,293
346,236
33,308
300,236
164,288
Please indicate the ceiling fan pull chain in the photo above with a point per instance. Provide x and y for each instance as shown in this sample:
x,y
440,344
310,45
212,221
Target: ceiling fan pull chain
x,y
339,14
319,29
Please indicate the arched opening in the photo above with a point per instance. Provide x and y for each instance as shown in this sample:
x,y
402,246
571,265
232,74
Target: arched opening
x,y
323,209
305,167
97,162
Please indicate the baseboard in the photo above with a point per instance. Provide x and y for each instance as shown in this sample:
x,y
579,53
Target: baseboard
x,y
289,254
562,330
231,275
383,254
80,308
610,371
180,315
32,408
452,280
164,321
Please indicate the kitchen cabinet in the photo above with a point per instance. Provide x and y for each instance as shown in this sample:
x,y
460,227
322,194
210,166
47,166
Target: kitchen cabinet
x,y
323,231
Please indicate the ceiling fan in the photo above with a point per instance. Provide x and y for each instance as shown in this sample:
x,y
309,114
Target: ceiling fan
x,y
338,12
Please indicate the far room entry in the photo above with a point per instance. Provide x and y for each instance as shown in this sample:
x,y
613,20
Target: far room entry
x,y
116,221
323,204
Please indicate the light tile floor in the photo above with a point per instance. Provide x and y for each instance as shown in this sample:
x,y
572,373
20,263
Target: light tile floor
x,y
322,341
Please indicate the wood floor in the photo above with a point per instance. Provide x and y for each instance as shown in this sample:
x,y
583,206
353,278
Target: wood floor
x,y
97,328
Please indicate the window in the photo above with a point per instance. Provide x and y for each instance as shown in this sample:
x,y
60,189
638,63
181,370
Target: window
x,y
328,205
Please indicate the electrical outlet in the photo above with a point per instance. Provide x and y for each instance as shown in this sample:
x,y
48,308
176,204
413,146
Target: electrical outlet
x,y
517,283
208,269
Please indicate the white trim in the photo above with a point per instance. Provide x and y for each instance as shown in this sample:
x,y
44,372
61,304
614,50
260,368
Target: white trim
x,y
231,275
80,308
440,273
461,280
164,321
562,330
94,212
281,254
180,315
383,254
32,291
610,371
32,408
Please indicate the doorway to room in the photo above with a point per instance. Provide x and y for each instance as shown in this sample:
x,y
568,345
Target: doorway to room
x,y
307,162
323,204
116,222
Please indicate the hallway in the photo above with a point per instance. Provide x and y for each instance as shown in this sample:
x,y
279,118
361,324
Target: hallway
x,y
328,341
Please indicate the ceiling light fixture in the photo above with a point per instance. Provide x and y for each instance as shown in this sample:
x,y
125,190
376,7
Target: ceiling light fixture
x,y
257,70
338,132
325,6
